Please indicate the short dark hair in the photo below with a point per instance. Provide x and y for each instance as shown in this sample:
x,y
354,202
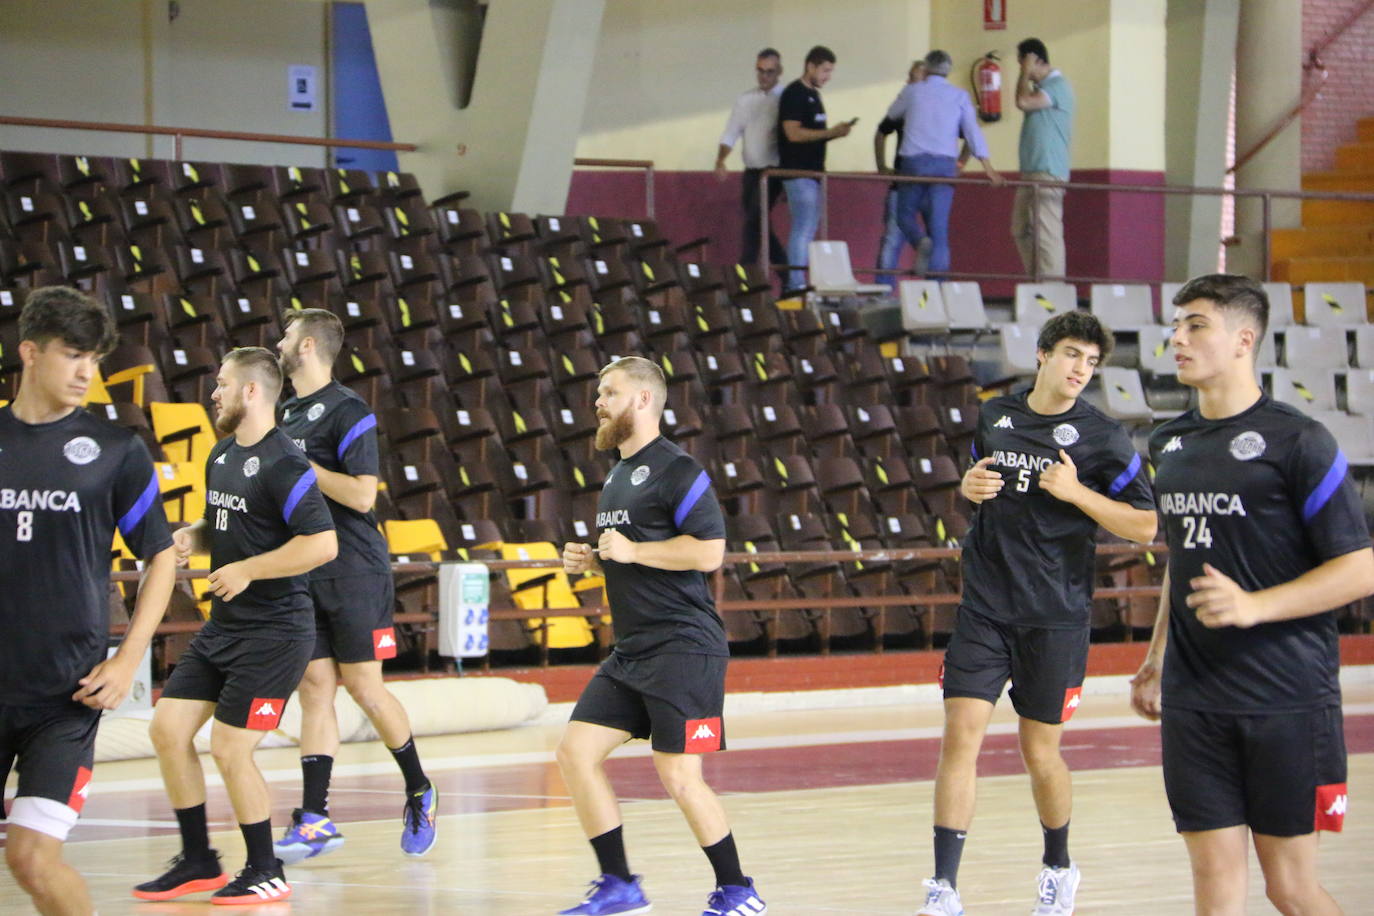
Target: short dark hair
x,y
768,52
1233,294
1076,325
323,325
66,314
262,364
1033,46
820,54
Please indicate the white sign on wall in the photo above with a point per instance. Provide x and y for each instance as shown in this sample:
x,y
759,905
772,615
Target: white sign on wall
x,y
300,87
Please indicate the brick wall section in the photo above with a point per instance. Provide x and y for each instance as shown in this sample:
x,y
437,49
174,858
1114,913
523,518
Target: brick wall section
x,y
1349,93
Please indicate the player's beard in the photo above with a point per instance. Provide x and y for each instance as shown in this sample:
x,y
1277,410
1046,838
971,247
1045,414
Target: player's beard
x,y
615,431
290,361
230,416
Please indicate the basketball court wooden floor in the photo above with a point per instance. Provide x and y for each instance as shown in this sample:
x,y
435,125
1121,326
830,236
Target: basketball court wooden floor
x,y
831,810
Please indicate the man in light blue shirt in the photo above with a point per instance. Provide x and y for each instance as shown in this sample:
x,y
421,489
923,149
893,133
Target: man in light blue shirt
x,y
936,115
1037,220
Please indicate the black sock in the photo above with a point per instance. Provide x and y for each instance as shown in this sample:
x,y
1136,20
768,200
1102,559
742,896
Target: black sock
x,y
195,835
1056,846
315,772
725,860
949,849
408,759
258,838
610,853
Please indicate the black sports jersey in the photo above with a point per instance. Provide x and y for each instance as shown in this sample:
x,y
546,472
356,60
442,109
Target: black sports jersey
x,y
338,431
257,499
65,487
1028,557
658,493
1263,497
800,103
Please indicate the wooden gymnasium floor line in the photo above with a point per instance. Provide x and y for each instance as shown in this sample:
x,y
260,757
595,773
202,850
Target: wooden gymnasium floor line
x,y
831,809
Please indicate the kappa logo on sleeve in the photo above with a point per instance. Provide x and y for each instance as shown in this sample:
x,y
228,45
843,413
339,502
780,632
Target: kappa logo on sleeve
x,y
265,713
384,643
81,790
1072,698
1332,800
702,736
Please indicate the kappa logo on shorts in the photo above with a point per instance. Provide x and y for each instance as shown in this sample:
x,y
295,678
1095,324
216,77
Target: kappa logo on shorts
x,y
81,790
1332,800
265,713
702,735
1072,698
384,643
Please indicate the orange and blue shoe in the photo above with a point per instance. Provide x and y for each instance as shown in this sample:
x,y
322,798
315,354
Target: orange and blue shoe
x,y
419,827
253,886
309,835
184,876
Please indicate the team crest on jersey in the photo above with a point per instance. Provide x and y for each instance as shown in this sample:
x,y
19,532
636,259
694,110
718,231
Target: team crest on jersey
x,y
1247,446
250,467
1004,423
315,412
1175,444
1065,434
81,450
639,475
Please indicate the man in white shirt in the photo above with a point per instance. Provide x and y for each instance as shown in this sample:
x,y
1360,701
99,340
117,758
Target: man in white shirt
x,y
755,120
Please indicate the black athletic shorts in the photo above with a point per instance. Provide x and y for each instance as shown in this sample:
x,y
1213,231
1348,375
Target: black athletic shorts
x,y
1281,774
353,618
248,679
1045,666
55,747
675,699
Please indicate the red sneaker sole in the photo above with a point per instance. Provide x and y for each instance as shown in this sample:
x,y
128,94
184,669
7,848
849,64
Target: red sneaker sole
x,y
200,885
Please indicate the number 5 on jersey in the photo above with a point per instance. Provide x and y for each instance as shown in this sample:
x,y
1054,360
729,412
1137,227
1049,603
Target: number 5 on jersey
x,y
1196,533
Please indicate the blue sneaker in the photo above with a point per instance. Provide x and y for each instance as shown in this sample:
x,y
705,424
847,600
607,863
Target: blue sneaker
x,y
420,829
610,896
733,900
309,835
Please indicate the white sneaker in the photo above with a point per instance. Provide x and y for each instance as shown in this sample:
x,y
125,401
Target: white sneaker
x,y
1056,887
941,899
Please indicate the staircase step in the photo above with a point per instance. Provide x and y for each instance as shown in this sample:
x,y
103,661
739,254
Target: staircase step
x,y
1322,241
1357,157
1337,212
1357,182
1364,130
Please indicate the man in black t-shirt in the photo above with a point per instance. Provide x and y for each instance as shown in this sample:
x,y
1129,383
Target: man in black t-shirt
x,y
266,525
68,482
890,245
1049,470
1266,535
803,132
661,532
353,595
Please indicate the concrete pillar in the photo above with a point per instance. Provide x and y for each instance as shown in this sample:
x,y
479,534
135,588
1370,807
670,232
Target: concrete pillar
x,y
1268,85
513,146
1197,94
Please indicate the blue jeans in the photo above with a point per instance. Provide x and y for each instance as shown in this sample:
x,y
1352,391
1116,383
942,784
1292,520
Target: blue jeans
x,y
890,247
932,202
803,203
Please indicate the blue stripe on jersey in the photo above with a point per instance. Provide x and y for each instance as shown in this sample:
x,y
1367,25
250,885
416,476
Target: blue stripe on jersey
x,y
134,516
1125,476
362,426
1322,494
683,508
973,450
297,494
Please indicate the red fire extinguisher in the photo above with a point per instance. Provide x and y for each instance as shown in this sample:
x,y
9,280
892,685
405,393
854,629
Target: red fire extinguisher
x,y
987,87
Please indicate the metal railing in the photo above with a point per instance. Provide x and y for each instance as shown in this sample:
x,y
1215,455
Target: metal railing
x,y
1266,196
179,133
646,164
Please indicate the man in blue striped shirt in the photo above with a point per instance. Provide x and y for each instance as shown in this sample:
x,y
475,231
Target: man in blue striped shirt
x,y
935,115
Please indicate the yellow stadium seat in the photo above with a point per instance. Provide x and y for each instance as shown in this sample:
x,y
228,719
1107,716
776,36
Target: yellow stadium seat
x,y
414,537
182,485
184,430
564,632
133,374
200,588
95,392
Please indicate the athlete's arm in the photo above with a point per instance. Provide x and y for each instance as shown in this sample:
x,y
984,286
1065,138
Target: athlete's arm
x,y
1028,96
108,682
797,134
676,553
1060,480
579,558
188,540
1145,692
1220,602
299,555
357,493
980,484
